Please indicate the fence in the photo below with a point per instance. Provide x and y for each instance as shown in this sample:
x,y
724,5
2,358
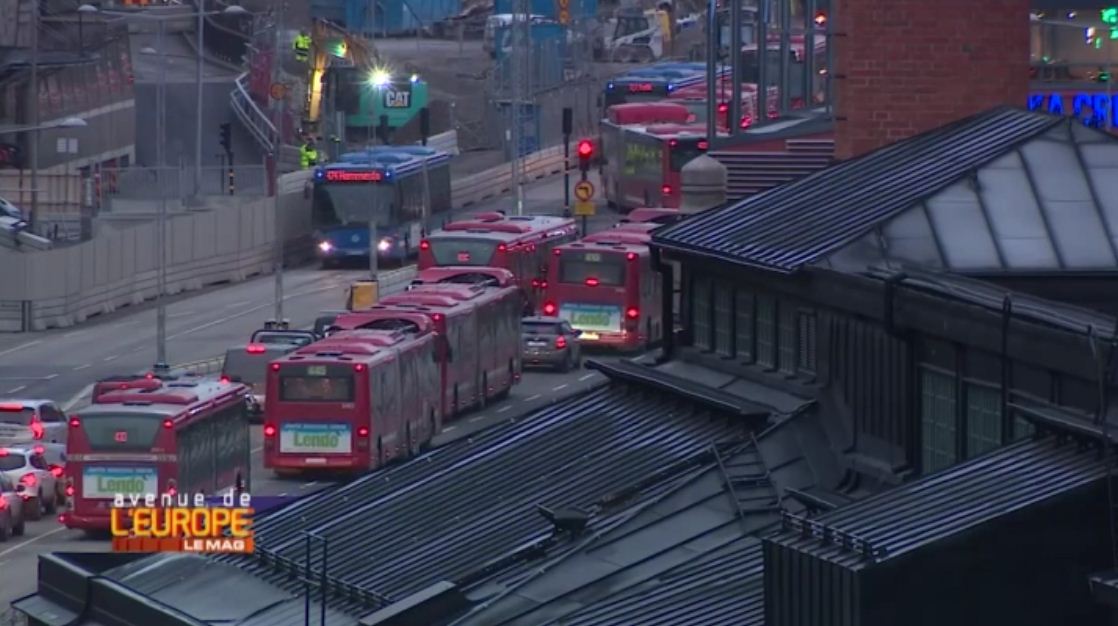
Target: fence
x,y
61,204
155,183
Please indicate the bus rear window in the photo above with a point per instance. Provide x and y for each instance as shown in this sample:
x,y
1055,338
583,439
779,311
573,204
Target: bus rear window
x,y
19,417
684,151
316,388
250,368
121,432
462,251
592,268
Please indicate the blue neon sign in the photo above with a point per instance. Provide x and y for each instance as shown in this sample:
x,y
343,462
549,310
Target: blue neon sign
x,y
1092,108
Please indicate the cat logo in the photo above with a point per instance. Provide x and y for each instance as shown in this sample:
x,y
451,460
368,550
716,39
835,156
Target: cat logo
x,y
394,99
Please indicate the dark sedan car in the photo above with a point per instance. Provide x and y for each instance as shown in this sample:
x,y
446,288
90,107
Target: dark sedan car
x,y
550,342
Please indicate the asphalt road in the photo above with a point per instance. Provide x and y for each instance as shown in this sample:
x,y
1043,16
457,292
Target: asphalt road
x,y
61,364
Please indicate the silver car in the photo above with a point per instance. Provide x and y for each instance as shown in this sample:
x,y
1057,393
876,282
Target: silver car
x,y
11,508
550,342
32,420
27,468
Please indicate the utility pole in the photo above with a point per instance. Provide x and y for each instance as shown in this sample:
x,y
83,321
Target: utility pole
x,y
161,278
278,110
712,70
519,34
33,105
198,102
734,120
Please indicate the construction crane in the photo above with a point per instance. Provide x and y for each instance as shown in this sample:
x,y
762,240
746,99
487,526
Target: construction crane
x,y
332,46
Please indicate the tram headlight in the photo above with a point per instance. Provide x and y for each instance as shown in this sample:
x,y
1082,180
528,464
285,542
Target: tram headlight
x,y
325,246
384,245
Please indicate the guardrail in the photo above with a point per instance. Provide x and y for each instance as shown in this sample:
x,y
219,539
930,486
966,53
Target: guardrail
x,y
498,180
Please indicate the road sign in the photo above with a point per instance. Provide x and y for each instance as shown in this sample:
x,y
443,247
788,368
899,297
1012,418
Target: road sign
x,y
584,190
585,208
278,91
564,11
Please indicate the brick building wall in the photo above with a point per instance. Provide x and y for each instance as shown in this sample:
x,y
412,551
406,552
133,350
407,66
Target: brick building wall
x,y
907,66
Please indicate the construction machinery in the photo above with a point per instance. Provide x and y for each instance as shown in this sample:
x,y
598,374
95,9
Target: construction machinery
x,y
332,48
636,36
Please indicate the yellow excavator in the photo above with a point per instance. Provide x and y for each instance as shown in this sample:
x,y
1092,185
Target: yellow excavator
x,y
332,46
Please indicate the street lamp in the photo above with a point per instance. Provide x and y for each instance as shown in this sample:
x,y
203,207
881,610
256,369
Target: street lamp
x,y
380,78
232,9
68,122
82,11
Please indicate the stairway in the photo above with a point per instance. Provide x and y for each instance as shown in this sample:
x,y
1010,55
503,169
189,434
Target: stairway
x,y
750,173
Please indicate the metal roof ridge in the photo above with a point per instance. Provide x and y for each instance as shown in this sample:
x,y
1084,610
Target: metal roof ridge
x,y
629,371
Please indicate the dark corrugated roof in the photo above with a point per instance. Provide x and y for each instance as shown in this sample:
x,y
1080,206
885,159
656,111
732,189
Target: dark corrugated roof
x,y
440,516
725,586
797,224
644,548
945,503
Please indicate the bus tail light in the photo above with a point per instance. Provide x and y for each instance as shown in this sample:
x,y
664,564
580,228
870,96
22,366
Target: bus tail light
x,y
172,488
549,308
225,380
666,190
556,251
424,245
723,107
56,471
275,367
74,421
269,430
359,367
3,504
535,283
363,432
632,256
168,424
591,282
256,348
560,342
703,145
70,491
543,284
632,313
502,247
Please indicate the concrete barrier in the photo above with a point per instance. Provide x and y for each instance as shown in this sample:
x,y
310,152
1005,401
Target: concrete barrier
x,y
495,181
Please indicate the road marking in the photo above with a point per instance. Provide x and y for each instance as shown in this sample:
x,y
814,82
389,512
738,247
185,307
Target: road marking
x,y
449,428
587,377
560,387
20,347
222,320
255,450
308,485
51,376
530,398
32,540
110,357
72,333
237,304
78,397
477,418
81,367
283,494
504,408
182,314
17,389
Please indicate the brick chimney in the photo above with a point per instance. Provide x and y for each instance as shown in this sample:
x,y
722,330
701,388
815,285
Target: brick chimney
x,y
907,66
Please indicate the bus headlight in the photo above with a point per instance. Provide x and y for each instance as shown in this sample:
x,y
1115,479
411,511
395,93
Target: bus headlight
x,y
384,245
325,246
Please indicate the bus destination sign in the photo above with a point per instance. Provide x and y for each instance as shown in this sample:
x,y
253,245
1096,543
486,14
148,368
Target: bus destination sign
x,y
345,176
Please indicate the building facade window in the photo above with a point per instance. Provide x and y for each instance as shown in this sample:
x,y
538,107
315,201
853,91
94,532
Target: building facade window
x,y
806,359
937,420
766,331
786,342
984,419
1022,428
743,330
700,313
724,319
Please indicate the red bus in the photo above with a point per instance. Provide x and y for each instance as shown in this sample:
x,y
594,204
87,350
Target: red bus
x,y
518,244
639,234
351,402
642,164
467,275
695,99
652,216
608,290
186,435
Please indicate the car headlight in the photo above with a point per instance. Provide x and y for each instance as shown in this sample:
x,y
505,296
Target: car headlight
x,y
325,246
384,244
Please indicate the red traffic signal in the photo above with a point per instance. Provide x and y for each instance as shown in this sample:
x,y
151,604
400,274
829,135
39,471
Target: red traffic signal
x,y
585,149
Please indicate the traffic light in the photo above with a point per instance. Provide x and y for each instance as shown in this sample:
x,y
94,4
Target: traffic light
x,y
821,18
227,137
585,153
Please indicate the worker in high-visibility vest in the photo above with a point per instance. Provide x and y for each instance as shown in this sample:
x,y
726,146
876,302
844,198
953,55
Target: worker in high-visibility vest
x,y
308,155
302,47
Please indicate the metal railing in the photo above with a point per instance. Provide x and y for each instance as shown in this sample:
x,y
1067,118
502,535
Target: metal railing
x,y
153,183
254,119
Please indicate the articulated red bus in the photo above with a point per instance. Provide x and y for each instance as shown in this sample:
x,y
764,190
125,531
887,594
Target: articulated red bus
x,y
480,358
643,164
695,99
352,402
657,216
608,289
629,233
465,275
518,244
187,435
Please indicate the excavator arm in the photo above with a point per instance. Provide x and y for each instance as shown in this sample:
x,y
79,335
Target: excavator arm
x,y
328,42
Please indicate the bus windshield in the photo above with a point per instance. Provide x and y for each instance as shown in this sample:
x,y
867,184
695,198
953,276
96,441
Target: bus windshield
x,y
592,268
462,251
346,203
121,432
317,388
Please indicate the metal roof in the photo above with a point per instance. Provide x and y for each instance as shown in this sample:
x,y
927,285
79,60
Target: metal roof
x,y
217,592
706,511
439,516
944,504
1005,190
